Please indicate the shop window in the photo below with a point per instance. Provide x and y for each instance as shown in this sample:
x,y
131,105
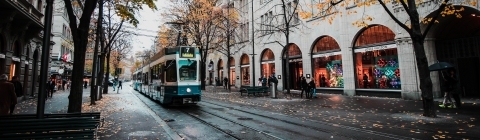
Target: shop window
x,y
377,66
268,63
245,69
327,63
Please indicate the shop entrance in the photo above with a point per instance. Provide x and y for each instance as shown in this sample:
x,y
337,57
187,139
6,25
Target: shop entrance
x,y
295,67
458,43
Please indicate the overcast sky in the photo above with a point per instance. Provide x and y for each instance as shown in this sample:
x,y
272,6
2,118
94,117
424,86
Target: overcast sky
x,y
150,21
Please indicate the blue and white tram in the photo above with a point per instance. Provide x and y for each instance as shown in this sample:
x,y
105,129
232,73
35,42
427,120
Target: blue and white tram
x,y
172,76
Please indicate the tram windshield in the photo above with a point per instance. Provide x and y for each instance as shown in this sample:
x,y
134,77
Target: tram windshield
x,y
171,71
187,69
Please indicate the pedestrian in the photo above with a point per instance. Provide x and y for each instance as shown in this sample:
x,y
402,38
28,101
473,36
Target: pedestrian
x,y
85,83
120,85
259,82
18,91
225,82
64,82
69,82
305,88
50,88
8,96
264,81
115,84
365,81
311,85
323,81
449,85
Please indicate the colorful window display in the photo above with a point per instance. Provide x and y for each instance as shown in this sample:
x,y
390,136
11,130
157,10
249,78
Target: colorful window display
x,y
328,71
378,68
327,63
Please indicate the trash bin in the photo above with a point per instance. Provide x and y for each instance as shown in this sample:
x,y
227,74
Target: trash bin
x,y
273,90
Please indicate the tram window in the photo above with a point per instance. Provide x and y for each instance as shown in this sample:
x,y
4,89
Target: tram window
x,y
188,69
171,71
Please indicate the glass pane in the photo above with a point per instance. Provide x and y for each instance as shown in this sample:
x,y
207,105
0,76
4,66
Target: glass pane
x,y
375,34
325,44
187,69
171,71
328,71
378,69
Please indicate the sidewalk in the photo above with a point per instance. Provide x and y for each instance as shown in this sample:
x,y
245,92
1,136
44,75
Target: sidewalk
x,y
126,117
390,115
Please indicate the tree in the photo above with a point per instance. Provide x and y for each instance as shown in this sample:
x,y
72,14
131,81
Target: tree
x,y
412,25
80,32
200,19
228,27
282,23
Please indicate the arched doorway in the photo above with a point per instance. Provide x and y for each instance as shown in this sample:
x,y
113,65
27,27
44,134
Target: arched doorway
x,y
220,69
245,69
232,71
268,63
15,64
220,72
3,49
458,42
376,59
295,65
327,63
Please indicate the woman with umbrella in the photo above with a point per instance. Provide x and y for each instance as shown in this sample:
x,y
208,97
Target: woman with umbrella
x,y
450,82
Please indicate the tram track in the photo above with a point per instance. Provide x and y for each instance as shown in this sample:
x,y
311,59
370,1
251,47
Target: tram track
x,y
406,128
326,126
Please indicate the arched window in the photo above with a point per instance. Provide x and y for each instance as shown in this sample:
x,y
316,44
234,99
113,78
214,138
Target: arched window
x,y
327,63
376,59
245,69
268,63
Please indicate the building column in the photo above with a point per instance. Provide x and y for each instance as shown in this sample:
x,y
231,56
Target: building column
x,y
431,51
348,64
408,69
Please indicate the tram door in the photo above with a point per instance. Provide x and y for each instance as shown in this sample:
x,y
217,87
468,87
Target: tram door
x,y
468,76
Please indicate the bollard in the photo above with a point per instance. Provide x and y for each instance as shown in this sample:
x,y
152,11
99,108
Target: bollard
x,y
273,90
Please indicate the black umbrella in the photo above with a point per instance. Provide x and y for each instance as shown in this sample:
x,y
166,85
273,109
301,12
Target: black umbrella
x,y
440,66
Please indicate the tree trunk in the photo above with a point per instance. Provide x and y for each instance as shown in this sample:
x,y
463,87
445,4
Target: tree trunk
x,y
107,73
424,74
75,97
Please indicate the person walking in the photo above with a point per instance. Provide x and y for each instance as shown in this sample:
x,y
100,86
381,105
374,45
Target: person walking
x,y
18,91
8,96
311,86
450,84
50,88
304,86
120,85
225,82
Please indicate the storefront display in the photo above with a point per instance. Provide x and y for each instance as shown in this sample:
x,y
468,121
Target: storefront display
x,y
328,71
378,67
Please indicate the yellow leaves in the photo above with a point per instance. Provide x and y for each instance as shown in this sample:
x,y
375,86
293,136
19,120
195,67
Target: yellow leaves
x,y
305,15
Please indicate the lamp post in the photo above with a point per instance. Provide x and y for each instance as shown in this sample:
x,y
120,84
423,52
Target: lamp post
x,y
253,48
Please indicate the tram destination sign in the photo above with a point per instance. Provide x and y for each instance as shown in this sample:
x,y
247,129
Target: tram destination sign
x,y
187,52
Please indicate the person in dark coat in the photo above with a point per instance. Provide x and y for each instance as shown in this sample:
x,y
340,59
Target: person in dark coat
x,y
50,88
305,88
449,85
365,81
311,86
120,84
18,90
225,82
323,81
8,96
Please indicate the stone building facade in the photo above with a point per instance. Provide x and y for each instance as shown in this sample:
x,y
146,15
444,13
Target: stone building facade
x,y
21,23
376,60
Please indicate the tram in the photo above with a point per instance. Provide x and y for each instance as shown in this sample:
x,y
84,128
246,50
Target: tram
x,y
171,76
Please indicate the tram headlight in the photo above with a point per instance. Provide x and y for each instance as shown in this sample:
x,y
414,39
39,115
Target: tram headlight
x,y
189,90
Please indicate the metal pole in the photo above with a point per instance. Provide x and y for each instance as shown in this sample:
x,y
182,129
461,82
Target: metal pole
x,y
93,83
253,49
45,56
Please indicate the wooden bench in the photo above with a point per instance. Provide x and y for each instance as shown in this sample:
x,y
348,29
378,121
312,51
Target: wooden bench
x,y
53,126
253,90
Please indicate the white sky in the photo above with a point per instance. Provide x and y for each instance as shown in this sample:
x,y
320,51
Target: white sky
x,y
150,22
